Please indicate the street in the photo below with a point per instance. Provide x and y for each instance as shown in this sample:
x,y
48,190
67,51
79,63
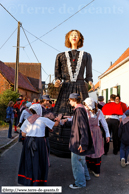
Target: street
x,y
113,178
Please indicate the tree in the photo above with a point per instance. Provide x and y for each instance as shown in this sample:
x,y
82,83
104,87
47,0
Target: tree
x,y
7,96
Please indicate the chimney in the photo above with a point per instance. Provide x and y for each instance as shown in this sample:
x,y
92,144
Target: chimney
x,y
110,63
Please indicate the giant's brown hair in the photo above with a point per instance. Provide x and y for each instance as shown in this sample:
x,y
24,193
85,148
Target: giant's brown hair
x,y
80,42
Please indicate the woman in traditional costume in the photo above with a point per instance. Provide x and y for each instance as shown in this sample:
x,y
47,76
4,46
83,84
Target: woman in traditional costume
x,y
95,116
33,168
70,67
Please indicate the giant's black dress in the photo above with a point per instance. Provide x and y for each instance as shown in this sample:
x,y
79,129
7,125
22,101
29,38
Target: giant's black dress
x,y
59,139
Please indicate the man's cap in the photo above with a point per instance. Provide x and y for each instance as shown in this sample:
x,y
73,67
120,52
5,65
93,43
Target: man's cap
x,y
45,97
74,95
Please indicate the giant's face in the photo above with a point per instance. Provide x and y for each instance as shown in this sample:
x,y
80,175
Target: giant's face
x,y
74,37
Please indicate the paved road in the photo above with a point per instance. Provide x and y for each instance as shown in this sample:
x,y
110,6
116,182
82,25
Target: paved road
x,y
4,136
113,178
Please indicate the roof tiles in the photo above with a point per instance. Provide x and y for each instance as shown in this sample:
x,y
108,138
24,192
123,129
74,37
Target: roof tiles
x,y
121,58
28,69
9,74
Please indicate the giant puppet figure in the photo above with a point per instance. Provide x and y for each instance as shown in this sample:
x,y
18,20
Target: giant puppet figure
x,y
70,67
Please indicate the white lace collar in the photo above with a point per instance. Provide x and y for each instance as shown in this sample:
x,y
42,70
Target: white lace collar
x,y
73,77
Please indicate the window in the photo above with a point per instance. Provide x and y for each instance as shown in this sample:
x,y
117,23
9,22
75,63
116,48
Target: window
x,y
111,91
118,90
107,95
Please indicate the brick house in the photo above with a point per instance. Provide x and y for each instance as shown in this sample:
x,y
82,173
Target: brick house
x,y
25,86
31,70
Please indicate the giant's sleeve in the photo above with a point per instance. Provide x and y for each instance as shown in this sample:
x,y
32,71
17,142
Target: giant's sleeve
x,y
104,123
83,126
58,68
89,68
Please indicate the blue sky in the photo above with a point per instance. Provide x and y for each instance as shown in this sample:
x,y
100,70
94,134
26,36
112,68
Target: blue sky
x,y
104,25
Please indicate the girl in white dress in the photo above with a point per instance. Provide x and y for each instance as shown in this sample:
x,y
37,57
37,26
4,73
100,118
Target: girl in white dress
x,y
33,168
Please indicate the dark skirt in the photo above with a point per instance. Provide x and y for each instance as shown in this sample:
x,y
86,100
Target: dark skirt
x,y
59,139
33,168
62,104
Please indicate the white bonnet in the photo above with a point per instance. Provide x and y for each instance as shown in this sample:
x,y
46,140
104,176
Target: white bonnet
x,y
37,108
90,103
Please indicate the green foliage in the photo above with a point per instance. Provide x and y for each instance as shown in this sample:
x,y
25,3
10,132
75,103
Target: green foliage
x,y
89,87
7,96
3,124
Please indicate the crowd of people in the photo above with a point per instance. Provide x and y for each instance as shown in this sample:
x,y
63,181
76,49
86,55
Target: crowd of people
x,y
91,123
15,109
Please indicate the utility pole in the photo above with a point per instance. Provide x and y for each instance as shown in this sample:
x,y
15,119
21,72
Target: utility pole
x,y
17,58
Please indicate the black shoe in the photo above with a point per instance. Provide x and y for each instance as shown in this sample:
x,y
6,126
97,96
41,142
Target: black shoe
x,y
73,186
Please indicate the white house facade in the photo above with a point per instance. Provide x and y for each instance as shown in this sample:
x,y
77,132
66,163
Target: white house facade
x,y
115,80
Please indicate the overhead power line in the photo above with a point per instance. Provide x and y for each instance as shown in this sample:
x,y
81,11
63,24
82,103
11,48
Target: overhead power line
x,y
9,12
26,54
43,34
8,39
32,49
25,35
97,71
41,40
63,21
